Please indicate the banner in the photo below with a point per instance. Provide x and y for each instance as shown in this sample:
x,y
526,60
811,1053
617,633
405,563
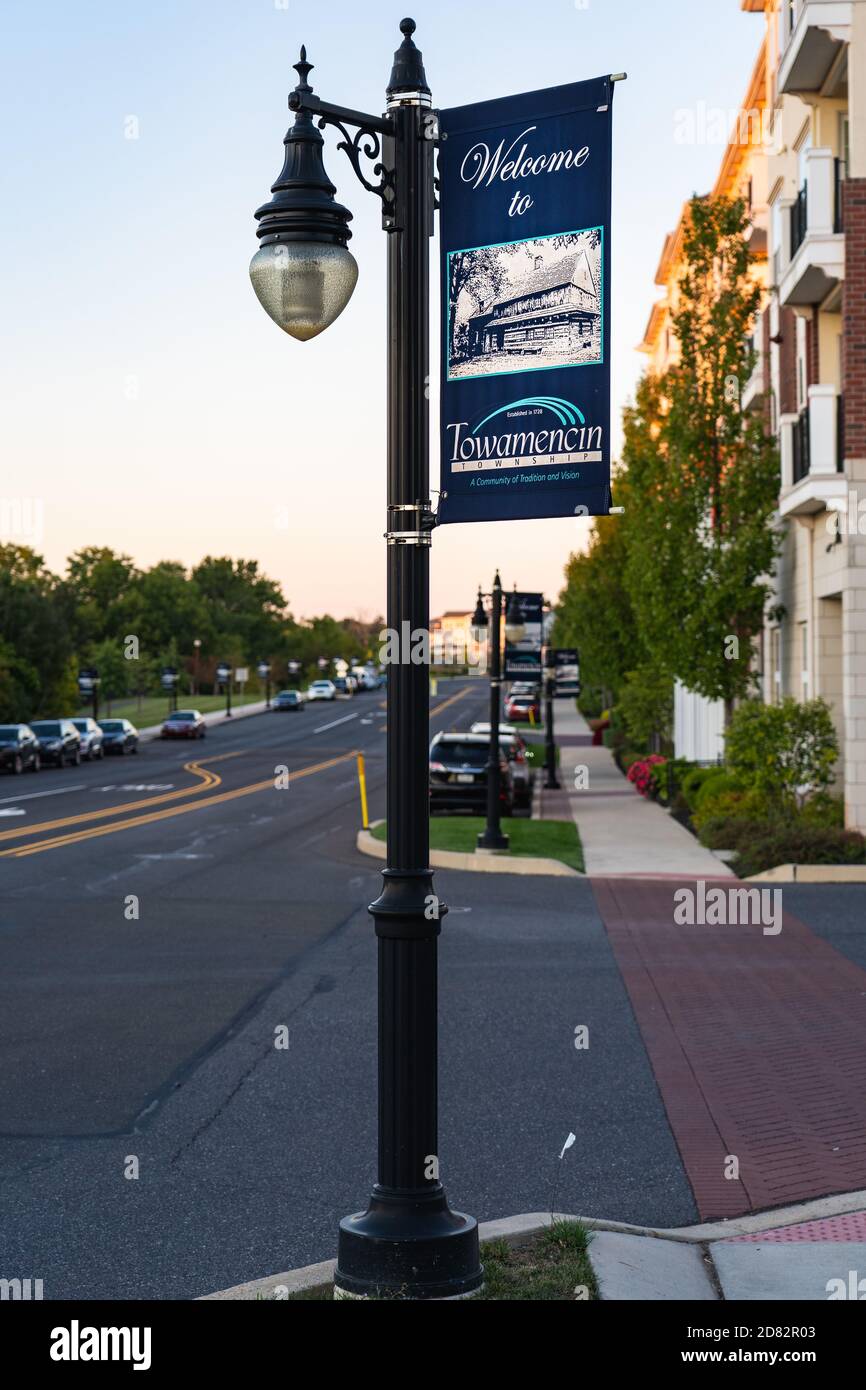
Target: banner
x,y
523,658
525,272
566,670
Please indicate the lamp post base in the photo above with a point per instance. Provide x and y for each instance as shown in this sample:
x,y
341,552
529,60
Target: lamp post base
x,y
408,1247
494,844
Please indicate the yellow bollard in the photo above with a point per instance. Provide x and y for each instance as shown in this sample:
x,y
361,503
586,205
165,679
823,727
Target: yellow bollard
x,y
531,717
362,783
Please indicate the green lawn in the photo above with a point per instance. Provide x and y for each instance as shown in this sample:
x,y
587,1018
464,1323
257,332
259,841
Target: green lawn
x,y
550,839
154,708
535,754
552,1266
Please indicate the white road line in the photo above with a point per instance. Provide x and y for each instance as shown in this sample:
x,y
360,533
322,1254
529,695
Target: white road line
x,y
334,722
32,796
13,811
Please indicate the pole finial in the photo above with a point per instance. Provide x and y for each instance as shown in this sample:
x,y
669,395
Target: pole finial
x,y
303,69
407,74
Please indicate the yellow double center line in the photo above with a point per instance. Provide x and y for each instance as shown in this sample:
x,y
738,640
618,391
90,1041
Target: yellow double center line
x,y
22,851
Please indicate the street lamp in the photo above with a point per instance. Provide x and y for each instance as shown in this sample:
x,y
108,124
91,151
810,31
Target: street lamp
x,y
264,670
551,781
515,627
492,836
224,676
196,646
407,1242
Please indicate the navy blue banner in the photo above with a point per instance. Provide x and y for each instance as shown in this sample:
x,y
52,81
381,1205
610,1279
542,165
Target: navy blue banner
x,y
523,657
525,262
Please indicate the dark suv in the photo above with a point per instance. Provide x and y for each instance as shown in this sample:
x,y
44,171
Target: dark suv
x,y
458,774
19,748
59,741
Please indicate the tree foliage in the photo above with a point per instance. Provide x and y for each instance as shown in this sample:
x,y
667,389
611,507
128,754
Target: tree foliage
x,y
677,587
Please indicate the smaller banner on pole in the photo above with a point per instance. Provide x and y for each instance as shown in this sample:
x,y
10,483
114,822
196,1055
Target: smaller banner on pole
x,y
566,671
523,657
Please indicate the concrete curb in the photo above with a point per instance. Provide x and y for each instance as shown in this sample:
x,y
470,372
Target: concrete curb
x,y
517,1230
811,873
366,843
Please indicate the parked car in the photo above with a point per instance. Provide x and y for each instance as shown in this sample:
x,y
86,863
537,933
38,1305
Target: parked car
x,y
342,686
322,690
91,738
184,723
289,699
458,774
19,748
523,709
514,749
59,741
119,736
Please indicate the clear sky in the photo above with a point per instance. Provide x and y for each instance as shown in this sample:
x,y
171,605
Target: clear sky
x,y
148,403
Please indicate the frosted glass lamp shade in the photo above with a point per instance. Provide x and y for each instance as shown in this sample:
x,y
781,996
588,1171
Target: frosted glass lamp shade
x,y
303,285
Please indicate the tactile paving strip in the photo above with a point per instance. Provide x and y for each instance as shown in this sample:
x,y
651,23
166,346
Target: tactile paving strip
x,y
849,1227
758,1044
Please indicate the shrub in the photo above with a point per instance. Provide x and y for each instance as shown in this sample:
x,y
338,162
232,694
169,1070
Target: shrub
x,y
669,777
763,844
825,811
716,785
694,780
800,844
642,774
730,805
786,751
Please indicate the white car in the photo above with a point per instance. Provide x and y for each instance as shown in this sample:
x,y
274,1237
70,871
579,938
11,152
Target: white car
x,y
91,738
322,690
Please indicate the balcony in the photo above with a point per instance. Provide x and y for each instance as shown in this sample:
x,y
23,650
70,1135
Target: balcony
x,y
814,59
815,243
811,454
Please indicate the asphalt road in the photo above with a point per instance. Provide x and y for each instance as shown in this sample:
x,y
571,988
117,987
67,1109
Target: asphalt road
x,y
154,1142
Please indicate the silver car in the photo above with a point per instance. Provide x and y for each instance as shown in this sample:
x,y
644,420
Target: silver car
x,y
91,738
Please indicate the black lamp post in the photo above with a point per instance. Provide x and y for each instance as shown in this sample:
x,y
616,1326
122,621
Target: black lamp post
x,y
224,674
407,1243
551,781
492,836
264,671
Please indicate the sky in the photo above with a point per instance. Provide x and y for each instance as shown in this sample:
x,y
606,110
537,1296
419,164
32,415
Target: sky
x,y
146,401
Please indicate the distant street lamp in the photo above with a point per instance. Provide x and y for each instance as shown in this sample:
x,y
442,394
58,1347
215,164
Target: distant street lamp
x,y
196,647
264,670
408,1243
551,781
224,677
492,836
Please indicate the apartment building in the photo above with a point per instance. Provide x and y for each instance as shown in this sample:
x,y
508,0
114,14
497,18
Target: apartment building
x,y
806,181
815,369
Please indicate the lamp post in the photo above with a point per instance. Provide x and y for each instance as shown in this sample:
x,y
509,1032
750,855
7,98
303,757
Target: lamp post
x,y
407,1243
551,781
492,836
196,647
224,674
264,672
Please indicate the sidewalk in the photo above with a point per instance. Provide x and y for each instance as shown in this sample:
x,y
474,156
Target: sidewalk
x,y
622,832
810,1253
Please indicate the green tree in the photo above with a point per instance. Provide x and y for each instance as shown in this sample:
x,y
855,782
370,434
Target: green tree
x,y
704,473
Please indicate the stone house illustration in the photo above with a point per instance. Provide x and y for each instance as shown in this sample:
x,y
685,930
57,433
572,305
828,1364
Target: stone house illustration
x,y
555,309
